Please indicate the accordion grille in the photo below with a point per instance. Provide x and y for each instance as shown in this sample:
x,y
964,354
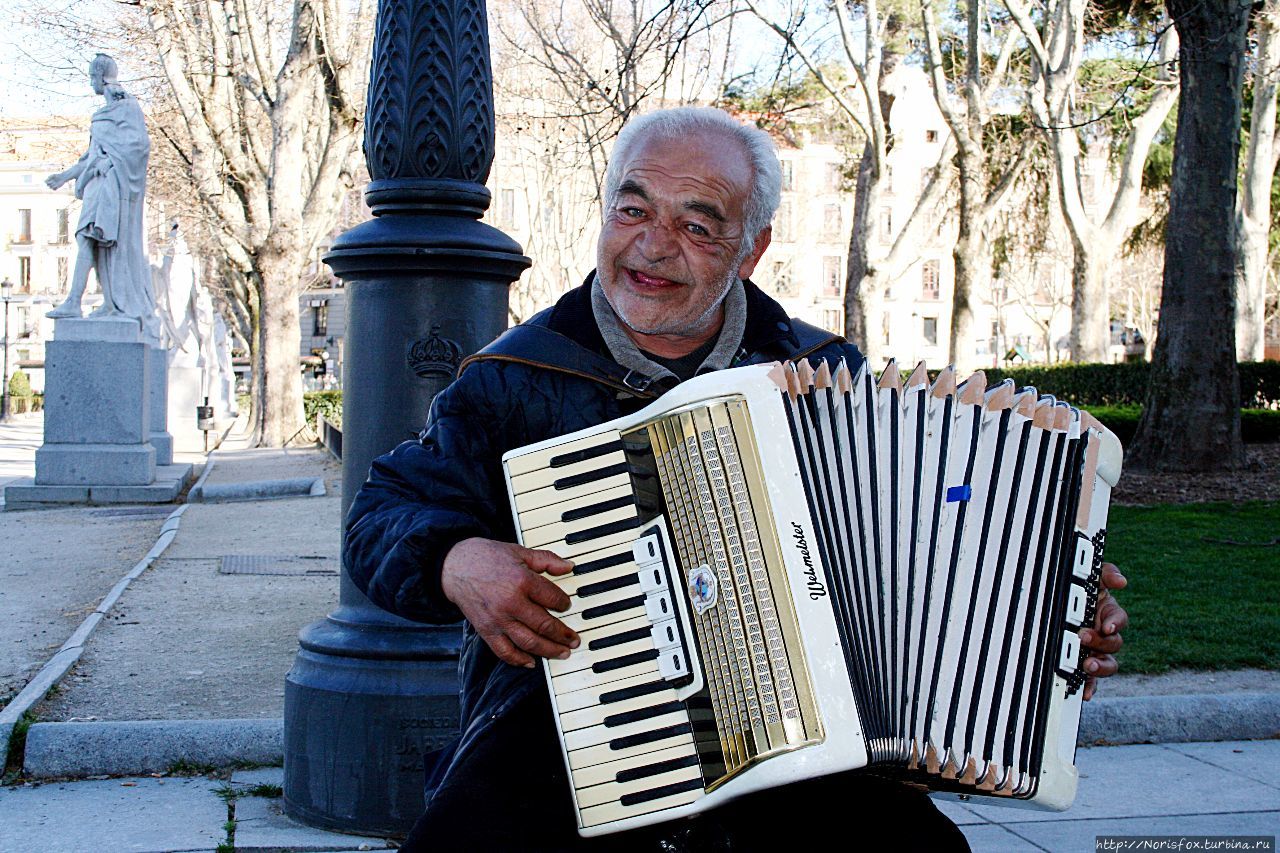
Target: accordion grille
x,y
746,628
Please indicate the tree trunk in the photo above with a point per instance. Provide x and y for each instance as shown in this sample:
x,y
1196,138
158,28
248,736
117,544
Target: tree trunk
x,y
862,277
1254,215
1091,300
972,254
1191,420
279,340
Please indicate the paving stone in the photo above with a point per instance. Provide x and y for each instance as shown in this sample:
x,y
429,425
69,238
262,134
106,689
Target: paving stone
x,y
1083,834
960,814
986,838
1119,781
263,827
137,815
1258,760
258,776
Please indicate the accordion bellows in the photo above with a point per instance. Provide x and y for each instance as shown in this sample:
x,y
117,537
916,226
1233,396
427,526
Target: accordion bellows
x,y
783,573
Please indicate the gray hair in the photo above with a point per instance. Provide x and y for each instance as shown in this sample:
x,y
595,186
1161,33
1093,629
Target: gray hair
x,y
766,173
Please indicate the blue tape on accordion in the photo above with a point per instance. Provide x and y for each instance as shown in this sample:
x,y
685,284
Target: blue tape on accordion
x,y
959,493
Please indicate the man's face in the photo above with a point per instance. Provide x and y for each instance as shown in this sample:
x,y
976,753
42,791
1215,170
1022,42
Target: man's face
x,y
96,80
670,246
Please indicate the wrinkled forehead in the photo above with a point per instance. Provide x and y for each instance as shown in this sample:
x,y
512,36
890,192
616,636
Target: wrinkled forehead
x,y
705,162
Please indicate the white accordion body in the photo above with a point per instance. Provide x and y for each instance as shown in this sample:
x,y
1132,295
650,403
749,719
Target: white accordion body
x,y
782,574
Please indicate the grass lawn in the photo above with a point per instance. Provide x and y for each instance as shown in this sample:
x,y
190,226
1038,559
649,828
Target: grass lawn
x,y
1193,603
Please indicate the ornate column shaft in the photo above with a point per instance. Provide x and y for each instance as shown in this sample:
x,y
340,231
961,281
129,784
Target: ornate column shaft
x,y
371,694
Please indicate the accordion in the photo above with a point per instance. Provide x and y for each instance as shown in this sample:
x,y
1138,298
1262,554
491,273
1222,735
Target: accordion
x,y
782,573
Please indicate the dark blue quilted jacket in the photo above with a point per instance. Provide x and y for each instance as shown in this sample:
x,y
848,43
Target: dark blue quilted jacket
x,y
427,495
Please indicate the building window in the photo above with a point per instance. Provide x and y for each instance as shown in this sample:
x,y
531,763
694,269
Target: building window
x,y
782,223
788,175
831,221
832,321
930,331
506,208
884,328
24,275
886,224
929,289
835,177
931,136
24,226
64,225
319,319
783,284
63,266
831,276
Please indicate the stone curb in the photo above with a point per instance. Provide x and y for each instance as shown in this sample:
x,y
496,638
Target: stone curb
x,y
66,657
60,750
257,490
130,748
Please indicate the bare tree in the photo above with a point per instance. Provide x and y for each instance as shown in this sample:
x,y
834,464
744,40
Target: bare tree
x,y
1058,47
270,100
1191,419
965,101
869,42
1253,210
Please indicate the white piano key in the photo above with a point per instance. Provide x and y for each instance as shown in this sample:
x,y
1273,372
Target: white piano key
x,y
583,679
671,663
578,603
567,701
576,621
563,549
538,537
593,715
659,606
552,513
598,774
542,458
582,657
602,734
543,477
603,753
653,577
667,634
581,494
572,583
608,792
611,812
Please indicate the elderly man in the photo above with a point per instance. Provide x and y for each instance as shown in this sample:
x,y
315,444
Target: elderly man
x,y
688,198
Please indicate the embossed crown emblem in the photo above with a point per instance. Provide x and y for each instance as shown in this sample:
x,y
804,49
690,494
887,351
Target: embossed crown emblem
x,y
434,354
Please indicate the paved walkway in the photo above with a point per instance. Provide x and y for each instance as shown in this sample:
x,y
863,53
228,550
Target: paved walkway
x,y
1196,789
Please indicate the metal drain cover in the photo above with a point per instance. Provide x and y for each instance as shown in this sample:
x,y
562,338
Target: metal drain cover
x,y
276,564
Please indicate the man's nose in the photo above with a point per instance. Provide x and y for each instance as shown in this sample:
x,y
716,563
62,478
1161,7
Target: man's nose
x,y
658,241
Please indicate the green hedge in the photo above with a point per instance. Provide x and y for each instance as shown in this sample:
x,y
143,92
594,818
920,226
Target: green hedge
x,y
1256,425
1126,384
327,403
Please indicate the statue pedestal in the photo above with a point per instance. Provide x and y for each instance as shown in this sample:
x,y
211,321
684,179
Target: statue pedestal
x,y
98,424
184,395
159,437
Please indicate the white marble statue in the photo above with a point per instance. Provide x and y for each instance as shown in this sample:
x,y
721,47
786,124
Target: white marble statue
x,y
111,182
208,347
174,285
226,395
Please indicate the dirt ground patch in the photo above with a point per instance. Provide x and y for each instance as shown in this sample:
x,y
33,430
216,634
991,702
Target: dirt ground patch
x,y
1259,481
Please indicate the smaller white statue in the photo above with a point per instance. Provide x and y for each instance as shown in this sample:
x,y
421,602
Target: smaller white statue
x,y
111,181
175,285
226,373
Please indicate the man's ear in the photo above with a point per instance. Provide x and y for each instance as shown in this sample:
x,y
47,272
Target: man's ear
x,y
762,243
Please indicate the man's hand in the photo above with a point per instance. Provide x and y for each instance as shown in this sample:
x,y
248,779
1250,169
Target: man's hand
x,y
499,588
55,181
1103,640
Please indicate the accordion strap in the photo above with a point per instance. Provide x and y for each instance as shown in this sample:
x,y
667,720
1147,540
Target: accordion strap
x,y
538,346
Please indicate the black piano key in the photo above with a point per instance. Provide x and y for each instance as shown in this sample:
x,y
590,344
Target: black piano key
x,y
590,476
645,689
590,533
651,736
626,660
634,773
659,793
602,563
590,589
642,714
619,639
583,455
596,509
613,607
